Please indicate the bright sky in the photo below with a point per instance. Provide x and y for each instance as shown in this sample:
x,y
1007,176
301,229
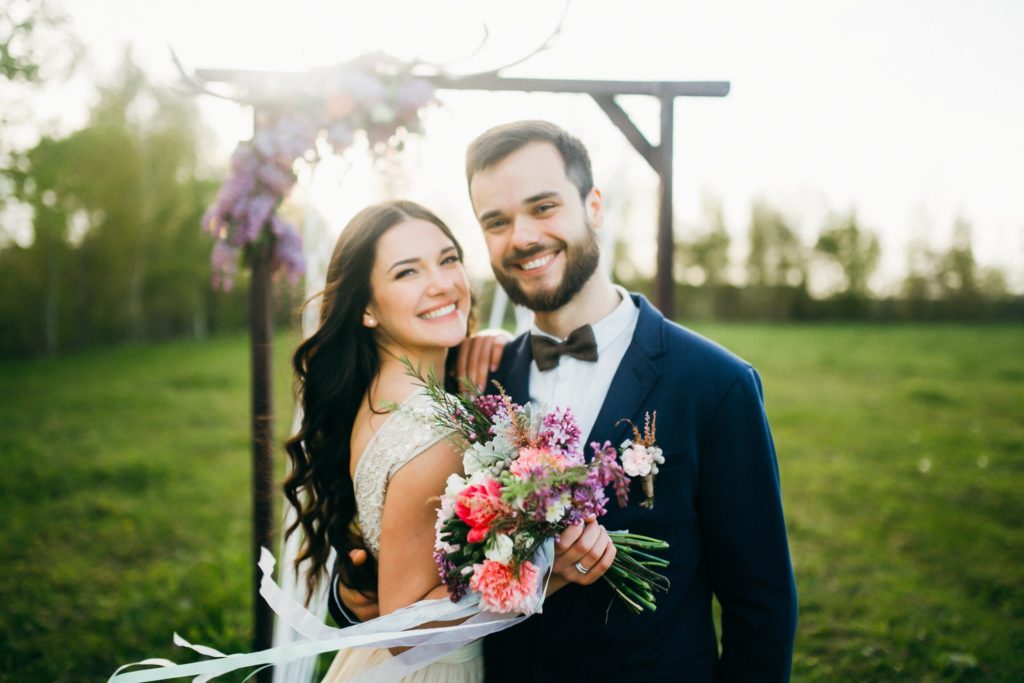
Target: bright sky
x,y
910,112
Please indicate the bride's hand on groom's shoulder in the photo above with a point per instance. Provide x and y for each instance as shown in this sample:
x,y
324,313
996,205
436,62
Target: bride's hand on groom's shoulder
x,y
583,553
480,355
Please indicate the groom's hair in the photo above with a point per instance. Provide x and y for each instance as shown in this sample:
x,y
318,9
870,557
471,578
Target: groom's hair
x,y
493,145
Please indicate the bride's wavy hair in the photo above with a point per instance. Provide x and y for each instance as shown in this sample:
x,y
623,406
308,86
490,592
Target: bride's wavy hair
x,y
334,368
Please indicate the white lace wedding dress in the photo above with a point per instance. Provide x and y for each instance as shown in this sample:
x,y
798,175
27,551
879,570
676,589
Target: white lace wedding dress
x,y
406,433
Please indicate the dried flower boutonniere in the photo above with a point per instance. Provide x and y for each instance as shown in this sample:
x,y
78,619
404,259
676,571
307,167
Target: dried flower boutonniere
x,y
640,457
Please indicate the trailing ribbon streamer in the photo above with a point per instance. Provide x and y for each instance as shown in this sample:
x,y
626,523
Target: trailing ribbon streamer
x,y
427,644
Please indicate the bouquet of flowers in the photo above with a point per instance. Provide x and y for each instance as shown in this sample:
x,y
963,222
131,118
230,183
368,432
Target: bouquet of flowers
x,y
526,480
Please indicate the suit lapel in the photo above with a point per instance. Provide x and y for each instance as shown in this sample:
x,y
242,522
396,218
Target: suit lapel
x,y
516,375
633,380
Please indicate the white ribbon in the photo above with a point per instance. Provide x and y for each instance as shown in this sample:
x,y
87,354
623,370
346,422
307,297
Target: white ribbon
x,y
427,644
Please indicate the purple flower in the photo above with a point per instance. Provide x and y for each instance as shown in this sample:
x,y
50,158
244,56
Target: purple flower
x,y
365,88
244,160
447,571
279,178
414,94
606,463
490,405
340,135
225,265
375,94
560,432
296,136
288,256
212,221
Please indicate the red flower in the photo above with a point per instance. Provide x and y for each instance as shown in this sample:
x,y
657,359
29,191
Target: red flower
x,y
477,506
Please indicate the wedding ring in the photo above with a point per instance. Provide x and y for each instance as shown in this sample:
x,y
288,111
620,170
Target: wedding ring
x,y
580,568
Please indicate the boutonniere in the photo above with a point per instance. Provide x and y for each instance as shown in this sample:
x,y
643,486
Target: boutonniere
x,y
641,457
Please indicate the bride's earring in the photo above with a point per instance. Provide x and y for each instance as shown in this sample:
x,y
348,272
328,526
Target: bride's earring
x,y
369,320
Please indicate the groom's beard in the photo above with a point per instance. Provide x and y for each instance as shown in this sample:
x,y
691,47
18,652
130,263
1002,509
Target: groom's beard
x,y
581,260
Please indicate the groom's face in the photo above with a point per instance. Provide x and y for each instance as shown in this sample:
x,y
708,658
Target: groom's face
x,y
539,232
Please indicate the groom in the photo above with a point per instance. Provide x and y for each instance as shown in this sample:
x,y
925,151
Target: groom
x,y
610,355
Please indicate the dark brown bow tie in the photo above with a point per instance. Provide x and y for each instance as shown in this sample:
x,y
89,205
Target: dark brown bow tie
x,y
579,344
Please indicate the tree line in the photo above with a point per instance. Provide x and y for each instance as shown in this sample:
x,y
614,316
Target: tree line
x,y
116,253
939,284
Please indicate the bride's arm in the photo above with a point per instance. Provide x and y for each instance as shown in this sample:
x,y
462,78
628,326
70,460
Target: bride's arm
x,y
406,570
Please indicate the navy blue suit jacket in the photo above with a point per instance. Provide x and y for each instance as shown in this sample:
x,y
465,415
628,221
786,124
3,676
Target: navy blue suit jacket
x,y
717,502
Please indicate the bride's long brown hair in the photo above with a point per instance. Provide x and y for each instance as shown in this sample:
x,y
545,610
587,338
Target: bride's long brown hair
x,y
333,369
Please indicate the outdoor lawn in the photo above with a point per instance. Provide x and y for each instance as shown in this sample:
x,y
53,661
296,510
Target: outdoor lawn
x,y
125,512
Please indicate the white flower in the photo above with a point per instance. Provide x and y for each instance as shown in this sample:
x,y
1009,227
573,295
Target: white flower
x,y
556,510
446,510
657,457
479,478
444,513
637,461
499,549
454,485
445,547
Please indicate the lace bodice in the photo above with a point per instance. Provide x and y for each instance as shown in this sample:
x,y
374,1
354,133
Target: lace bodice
x,y
406,433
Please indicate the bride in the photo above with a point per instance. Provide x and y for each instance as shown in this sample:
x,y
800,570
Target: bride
x,y
396,288
368,447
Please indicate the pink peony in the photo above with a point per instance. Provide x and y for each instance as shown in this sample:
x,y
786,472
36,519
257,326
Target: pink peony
x,y
501,591
477,506
530,458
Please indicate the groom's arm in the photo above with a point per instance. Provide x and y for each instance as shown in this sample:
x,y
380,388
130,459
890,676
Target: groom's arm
x,y
740,512
348,605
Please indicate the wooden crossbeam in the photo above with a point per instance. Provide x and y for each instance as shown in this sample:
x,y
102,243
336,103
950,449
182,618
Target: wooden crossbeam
x,y
625,124
490,81
584,86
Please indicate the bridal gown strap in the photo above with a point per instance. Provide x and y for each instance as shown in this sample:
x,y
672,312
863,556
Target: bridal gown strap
x,y
406,433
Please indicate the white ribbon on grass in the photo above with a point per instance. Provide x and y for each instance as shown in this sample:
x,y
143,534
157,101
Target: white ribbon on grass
x,y
393,630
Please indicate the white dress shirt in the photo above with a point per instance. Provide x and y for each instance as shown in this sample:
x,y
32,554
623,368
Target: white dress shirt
x,y
581,385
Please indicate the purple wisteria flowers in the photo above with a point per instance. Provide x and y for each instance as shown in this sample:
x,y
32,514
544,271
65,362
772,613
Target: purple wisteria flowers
x,y
375,95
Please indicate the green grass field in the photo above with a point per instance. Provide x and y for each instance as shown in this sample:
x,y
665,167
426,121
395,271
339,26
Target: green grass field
x,y
125,513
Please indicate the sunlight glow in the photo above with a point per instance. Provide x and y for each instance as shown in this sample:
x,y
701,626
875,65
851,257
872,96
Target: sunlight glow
x,y
908,113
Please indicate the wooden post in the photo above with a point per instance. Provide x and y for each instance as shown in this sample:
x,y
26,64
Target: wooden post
x,y
660,159
664,291
260,328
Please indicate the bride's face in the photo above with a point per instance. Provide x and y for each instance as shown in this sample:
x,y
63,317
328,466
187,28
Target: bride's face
x,y
420,292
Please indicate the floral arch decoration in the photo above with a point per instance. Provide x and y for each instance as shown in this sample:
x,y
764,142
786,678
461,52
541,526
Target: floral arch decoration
x,y
375,97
